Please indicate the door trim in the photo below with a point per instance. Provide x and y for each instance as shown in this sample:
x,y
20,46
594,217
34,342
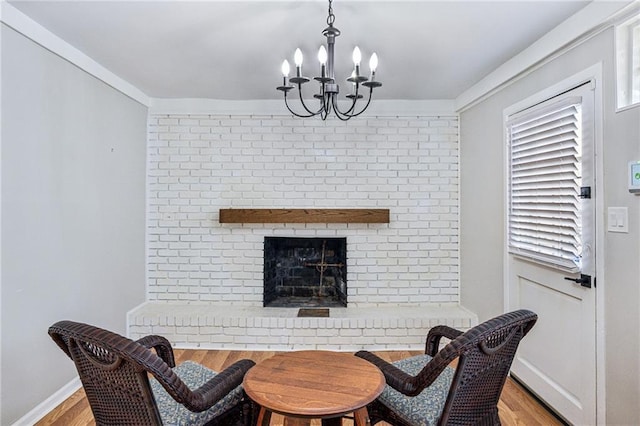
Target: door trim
x,y
591,74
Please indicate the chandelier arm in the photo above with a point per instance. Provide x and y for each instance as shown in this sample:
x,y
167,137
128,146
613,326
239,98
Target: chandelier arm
x,y
355,99
295,113
348,113
324,112
342,116
326,103
366,106
304,105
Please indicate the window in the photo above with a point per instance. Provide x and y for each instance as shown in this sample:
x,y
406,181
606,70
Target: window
x,y
544,222
628,62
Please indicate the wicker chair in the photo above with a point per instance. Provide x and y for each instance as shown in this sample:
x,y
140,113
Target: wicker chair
x,y
129,384
426,390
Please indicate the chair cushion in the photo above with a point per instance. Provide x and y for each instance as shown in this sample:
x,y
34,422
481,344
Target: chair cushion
x,y
193,375
426,408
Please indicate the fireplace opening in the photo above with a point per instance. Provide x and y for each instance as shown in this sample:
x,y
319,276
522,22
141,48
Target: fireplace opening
x,y
305,272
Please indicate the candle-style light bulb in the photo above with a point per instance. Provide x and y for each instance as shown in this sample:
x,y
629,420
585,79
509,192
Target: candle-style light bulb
x,y
322,55
357,56
297,57
373,63
285,68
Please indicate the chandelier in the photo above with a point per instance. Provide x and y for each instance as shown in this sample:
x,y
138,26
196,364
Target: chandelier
x,y
329,89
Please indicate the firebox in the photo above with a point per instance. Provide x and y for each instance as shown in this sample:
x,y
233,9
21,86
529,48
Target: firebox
x,y
305,272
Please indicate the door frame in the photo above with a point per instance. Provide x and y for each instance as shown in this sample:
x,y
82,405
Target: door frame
x,y
593,74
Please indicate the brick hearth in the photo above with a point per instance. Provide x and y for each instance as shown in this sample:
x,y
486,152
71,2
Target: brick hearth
x,y
189,325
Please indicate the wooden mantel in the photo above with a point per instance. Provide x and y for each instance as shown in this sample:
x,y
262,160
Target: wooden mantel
x,y
304,215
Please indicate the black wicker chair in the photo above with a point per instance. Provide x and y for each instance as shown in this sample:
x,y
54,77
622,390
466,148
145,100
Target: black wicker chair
x,y
127,383
426,390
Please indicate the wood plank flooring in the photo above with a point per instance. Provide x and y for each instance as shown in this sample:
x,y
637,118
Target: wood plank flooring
x,y
517,407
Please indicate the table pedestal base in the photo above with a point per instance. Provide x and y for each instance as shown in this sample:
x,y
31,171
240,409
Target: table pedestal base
x,y
361,418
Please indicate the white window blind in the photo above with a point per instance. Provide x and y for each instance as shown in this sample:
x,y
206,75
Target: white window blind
x,y
544,184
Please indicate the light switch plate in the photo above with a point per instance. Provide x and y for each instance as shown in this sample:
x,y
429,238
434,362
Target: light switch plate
x,y
618,219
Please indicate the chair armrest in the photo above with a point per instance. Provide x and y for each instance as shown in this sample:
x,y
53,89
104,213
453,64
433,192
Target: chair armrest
x,y
162,347
412,385
219,386
209,393
396,378
436,334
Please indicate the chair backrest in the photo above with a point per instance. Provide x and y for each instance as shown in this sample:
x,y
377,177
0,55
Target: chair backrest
x,y
486,353
117,386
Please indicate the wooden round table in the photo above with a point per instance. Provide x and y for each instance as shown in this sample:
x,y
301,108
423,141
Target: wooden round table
x,y
314,384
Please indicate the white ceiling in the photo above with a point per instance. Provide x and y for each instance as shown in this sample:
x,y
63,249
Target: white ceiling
x,y
233,49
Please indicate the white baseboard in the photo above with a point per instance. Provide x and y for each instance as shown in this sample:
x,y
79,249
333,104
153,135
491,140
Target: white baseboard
x,y
49,404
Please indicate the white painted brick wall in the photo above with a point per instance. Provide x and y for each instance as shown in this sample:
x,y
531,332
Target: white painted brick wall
x,y
199,164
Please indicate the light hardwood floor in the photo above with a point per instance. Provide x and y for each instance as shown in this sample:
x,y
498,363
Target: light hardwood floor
x,y
517,407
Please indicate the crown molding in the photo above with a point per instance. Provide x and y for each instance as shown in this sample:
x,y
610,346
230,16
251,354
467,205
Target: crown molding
x,y
586,23
29,28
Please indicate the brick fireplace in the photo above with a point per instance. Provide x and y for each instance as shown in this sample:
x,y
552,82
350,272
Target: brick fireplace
x,y
200,164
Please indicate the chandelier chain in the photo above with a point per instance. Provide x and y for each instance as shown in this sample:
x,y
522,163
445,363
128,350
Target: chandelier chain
x,y
331,18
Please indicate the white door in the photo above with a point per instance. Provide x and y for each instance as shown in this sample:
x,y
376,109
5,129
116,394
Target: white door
x,y
551,260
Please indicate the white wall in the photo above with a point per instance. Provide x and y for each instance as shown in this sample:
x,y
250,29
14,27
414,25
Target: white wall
x,y
482,216
73,206
201,163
